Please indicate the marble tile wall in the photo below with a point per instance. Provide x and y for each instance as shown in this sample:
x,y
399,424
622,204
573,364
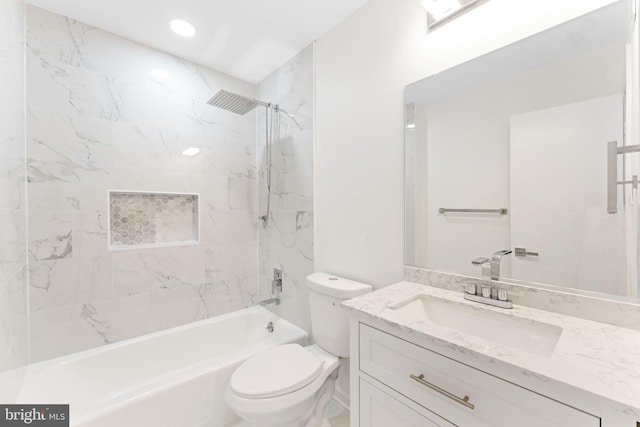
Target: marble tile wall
x,y
13,263
287,241
99,120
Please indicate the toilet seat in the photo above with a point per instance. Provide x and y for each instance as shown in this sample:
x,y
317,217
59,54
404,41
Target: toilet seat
x,y
287,407
276,372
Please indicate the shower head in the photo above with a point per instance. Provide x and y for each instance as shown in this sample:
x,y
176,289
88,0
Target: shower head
x,y
242,105
232,102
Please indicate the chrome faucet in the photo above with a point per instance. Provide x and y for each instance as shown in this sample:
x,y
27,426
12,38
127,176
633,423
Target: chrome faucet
x,y
495,263
486,293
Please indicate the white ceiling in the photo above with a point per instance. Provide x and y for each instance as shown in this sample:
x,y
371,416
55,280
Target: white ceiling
x,y
245,38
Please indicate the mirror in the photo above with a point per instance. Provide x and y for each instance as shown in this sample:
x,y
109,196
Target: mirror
x,y
509,151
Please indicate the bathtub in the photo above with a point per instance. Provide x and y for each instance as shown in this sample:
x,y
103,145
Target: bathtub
x,y
172,378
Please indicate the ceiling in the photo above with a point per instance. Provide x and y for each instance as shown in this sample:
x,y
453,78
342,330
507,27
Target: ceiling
x,y
244,38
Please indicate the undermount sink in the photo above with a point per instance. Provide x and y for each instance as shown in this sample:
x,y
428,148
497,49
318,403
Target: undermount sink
x,y
522,334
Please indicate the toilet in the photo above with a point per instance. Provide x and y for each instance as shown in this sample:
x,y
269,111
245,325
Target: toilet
x,y
290,385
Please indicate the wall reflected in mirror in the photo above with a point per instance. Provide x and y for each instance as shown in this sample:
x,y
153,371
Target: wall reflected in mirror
x,y
525,129
441,11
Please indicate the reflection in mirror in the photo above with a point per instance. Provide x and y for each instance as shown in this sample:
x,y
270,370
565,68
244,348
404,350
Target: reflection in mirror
x,y
442,11
522,132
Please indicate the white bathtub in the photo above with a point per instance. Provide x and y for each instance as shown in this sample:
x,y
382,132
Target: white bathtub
x,y
173,378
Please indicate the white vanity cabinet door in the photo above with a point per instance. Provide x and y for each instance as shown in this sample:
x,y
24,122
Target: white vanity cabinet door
x,y
497,403
378,409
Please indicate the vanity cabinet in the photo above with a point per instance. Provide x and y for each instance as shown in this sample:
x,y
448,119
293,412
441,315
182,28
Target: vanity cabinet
x,y
380,409
399,383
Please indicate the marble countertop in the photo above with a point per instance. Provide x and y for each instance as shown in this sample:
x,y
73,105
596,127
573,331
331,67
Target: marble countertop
x,y
598,358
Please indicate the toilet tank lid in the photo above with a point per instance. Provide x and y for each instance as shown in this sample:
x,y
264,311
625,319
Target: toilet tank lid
x,y
336,287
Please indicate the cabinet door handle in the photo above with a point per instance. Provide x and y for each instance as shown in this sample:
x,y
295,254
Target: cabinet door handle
x,y
461,400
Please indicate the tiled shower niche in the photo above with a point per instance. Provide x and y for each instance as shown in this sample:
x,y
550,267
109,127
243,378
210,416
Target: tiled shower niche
x,y
138,219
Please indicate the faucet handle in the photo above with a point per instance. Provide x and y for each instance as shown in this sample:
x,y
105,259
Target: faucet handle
x,y
521,252
486,291
479,261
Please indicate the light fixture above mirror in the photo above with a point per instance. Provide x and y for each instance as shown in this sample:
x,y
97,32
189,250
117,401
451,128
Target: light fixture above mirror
x,y
441,11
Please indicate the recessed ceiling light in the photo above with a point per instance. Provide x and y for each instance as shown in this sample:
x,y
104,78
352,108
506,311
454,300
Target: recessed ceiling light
x,y
160,74
191,151
182,28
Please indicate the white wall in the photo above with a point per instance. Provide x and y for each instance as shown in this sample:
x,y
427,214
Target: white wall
x,y
362,68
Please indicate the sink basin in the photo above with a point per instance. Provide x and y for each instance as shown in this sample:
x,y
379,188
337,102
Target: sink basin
x,y
522,334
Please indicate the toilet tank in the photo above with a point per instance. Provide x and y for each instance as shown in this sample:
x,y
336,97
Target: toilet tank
x,y
330,321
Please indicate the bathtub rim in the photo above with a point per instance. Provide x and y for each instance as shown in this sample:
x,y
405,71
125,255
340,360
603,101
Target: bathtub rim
x,y
151,335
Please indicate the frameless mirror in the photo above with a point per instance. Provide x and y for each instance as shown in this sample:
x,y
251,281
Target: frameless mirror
x,y
509,151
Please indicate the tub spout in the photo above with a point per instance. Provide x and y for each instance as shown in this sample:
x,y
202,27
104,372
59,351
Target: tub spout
x,y
275,301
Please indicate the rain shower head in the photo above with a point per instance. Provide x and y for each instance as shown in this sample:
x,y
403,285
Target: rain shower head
x,y
232,102
242,105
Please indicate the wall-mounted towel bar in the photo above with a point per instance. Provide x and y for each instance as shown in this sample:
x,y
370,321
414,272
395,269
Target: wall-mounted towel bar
x,y
612,173
501,211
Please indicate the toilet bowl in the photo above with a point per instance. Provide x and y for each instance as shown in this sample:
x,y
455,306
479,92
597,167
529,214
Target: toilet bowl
x,y
283,385
291,385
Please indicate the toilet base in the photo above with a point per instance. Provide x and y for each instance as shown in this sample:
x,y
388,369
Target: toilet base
x,y
318,417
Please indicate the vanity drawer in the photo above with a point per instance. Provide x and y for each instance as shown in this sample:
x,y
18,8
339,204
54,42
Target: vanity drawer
x,y
378,409
440,384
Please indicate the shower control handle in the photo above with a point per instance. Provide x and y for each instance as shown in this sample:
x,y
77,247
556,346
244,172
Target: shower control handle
x,y
276,283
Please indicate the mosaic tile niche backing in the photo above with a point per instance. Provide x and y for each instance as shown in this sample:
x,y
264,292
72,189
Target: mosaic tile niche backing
x,y
152,219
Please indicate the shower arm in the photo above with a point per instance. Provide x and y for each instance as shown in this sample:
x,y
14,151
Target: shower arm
x,y
242,105
278,109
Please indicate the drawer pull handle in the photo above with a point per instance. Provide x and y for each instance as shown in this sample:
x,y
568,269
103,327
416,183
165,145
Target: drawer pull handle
x,y
463,401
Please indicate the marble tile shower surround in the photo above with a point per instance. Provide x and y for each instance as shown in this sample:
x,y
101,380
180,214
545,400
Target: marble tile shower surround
x,y
13,261
287,242
148,219
98,120
612,310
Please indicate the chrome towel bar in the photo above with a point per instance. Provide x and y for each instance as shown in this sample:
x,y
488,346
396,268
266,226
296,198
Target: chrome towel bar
x,y
612,173
501,211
